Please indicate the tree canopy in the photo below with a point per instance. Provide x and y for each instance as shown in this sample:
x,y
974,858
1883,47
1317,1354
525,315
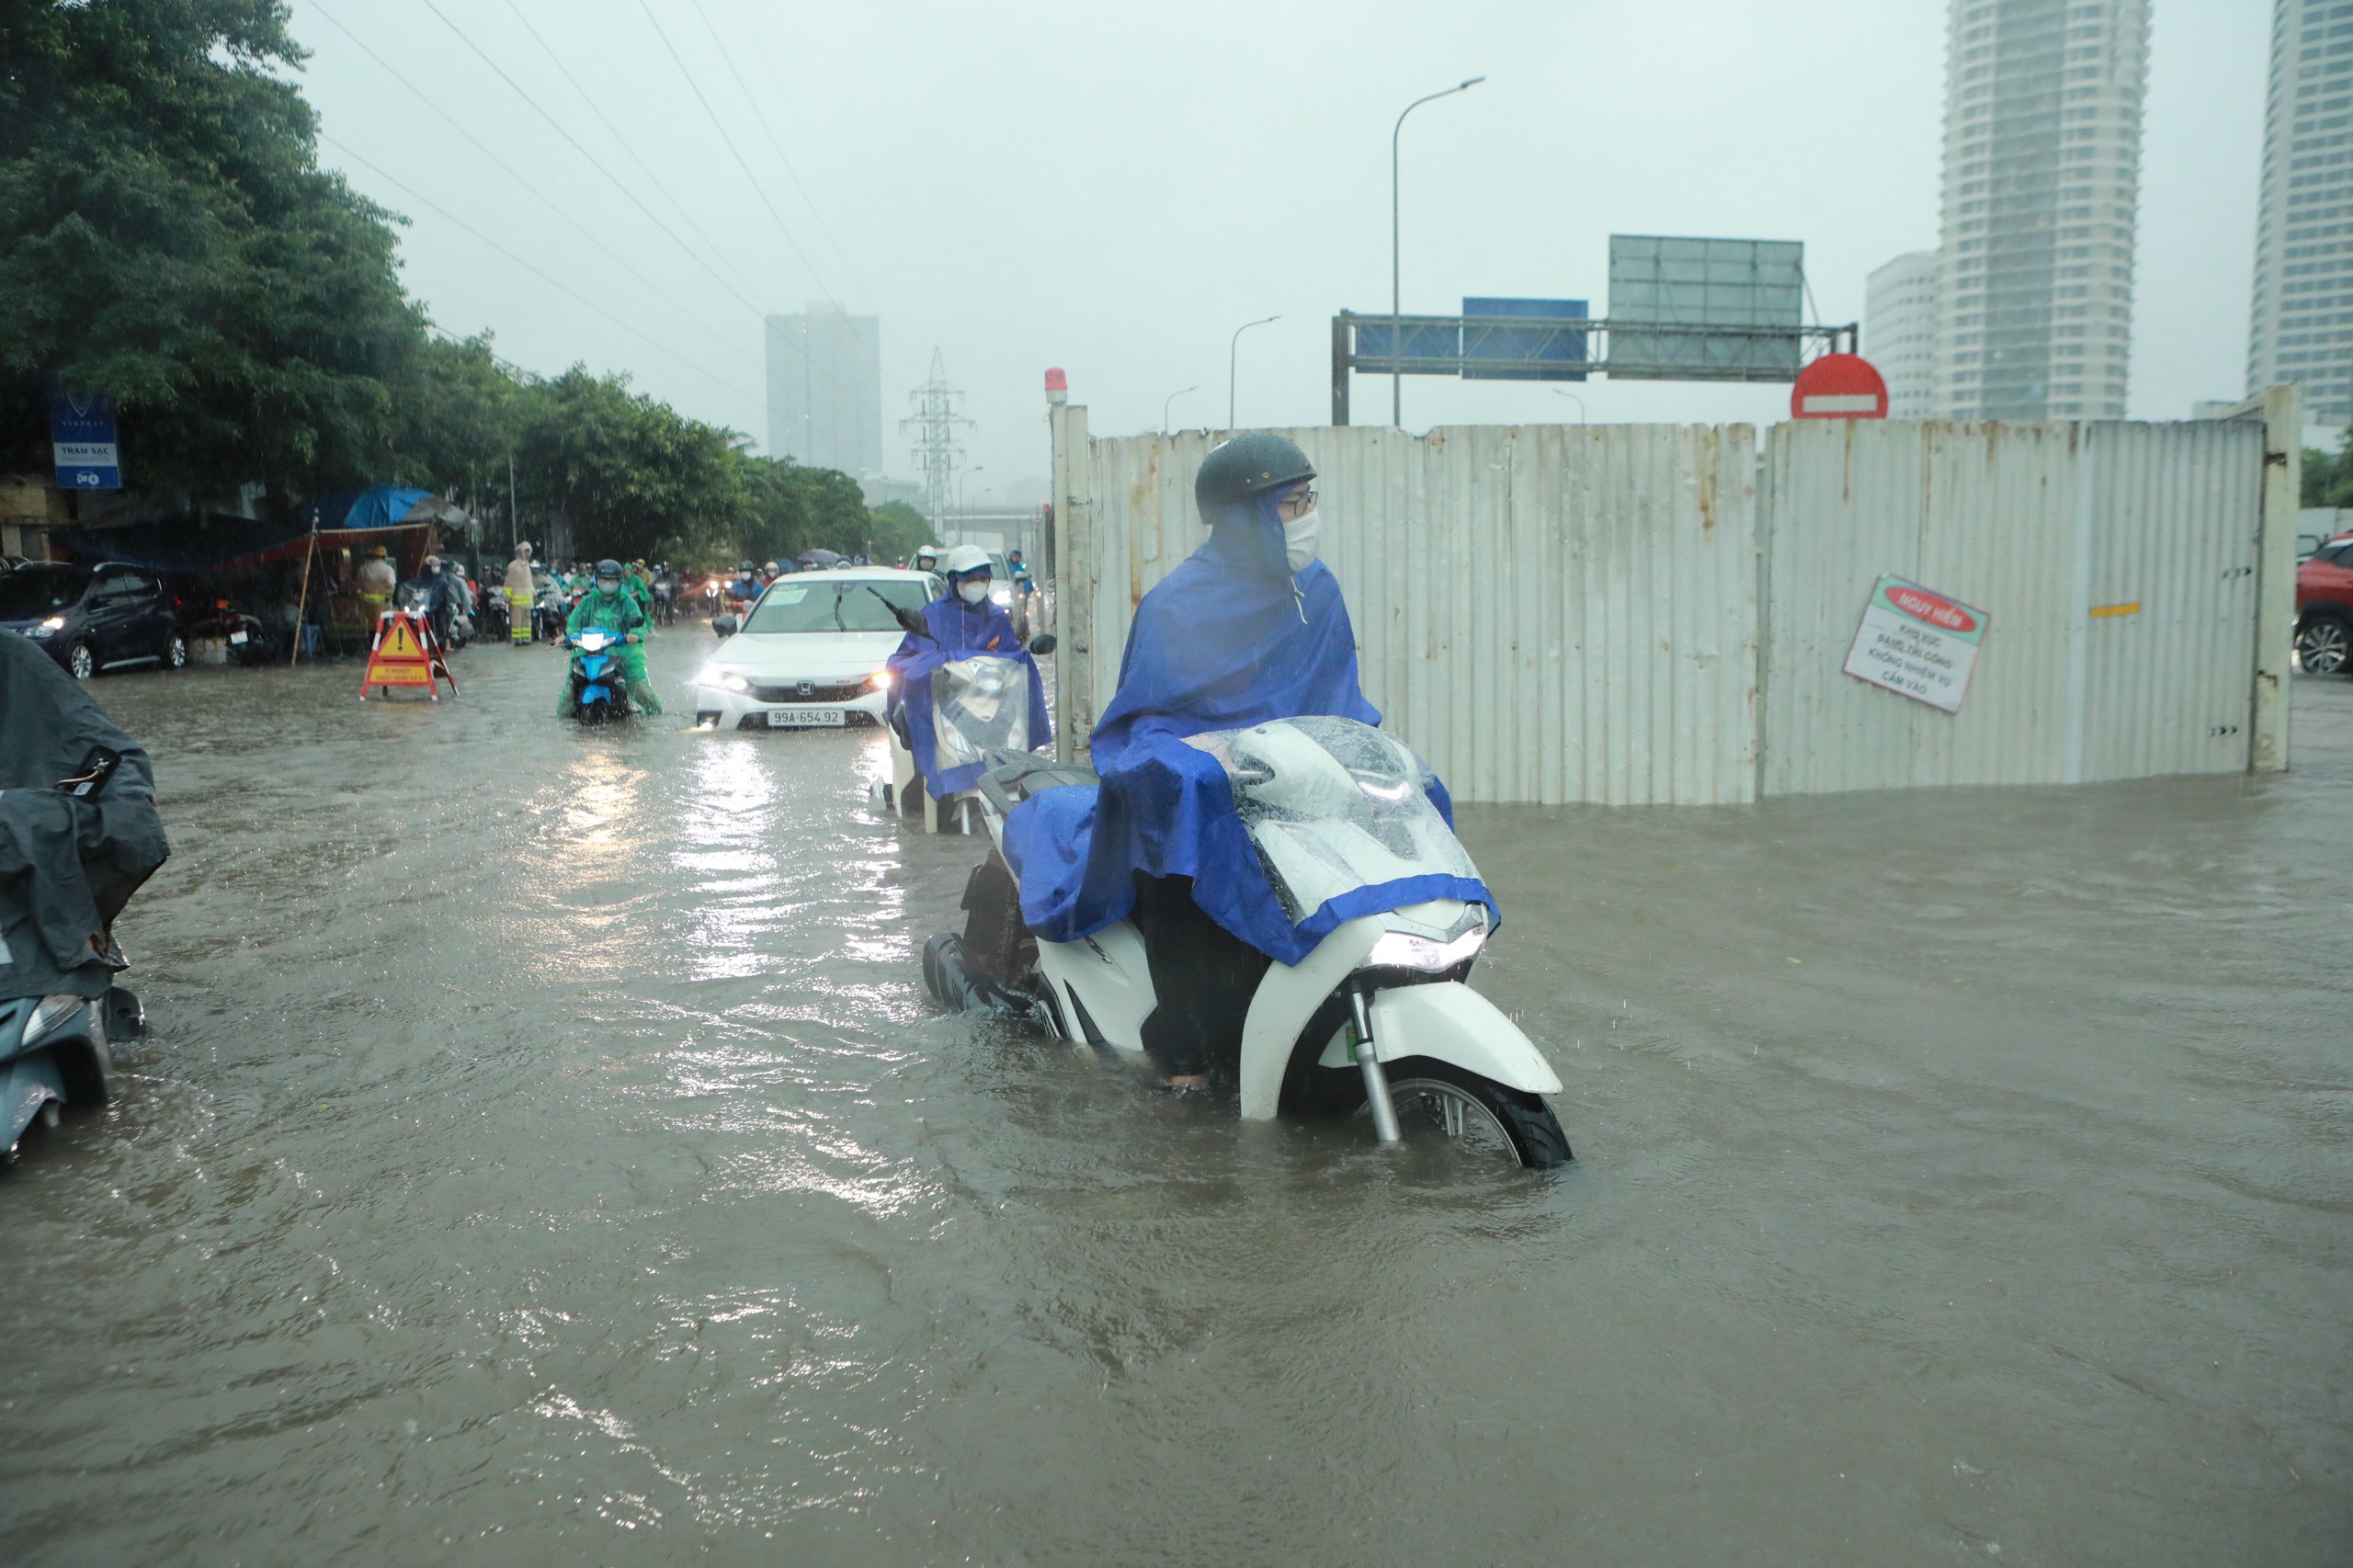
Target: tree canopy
x,y
167,236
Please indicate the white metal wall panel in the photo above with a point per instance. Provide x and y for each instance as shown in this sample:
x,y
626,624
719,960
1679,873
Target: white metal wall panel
x,y
1548,613
2176,526
2035,524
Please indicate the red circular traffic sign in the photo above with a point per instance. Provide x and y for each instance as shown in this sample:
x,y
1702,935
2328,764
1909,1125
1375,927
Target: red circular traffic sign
x,y
1839,386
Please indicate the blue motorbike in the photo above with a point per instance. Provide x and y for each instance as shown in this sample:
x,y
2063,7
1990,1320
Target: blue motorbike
x,y
599,690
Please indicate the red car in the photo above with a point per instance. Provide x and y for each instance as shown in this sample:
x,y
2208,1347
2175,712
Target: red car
x,y
2324,610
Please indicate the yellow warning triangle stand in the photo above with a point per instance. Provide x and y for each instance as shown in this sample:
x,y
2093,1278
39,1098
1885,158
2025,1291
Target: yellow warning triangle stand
x,y
405,654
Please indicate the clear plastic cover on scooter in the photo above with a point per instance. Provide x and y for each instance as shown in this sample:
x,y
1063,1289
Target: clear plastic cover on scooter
x,y
1333,805
978,705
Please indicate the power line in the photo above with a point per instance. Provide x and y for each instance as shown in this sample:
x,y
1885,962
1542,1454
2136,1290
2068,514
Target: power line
x,y
656,289
418,196
592,158
753,181
660,184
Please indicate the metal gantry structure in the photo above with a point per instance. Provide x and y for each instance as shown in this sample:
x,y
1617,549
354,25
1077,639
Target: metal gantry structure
x,y
935,423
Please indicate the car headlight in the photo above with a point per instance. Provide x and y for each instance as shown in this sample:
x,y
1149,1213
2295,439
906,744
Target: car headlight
x,y
881,680
49,628
727,679
1001,595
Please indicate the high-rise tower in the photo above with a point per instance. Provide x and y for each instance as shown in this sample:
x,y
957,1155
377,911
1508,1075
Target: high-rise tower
x,y
2303,317
2041,190
1900,332
825,389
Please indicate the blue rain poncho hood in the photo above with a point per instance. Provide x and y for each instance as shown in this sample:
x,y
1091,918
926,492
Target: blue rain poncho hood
x,y
958,631
1230,639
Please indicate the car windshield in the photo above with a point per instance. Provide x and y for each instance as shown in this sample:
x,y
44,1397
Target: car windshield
x,y
811,603
38,590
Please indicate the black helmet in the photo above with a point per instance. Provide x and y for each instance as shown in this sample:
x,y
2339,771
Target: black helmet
x,y
746,567
1245,466
611,569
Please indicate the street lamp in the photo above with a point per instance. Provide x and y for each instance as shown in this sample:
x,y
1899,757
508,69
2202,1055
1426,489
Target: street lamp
x,y
1233,349
1172,397
1573,398
1396,345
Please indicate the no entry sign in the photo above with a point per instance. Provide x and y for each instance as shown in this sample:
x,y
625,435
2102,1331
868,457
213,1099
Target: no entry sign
x,y
1839,386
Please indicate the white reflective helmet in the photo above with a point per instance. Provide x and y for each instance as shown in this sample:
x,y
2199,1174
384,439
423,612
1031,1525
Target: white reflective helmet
x,y
964,558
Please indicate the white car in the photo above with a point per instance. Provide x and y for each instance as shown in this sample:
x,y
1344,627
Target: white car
x,y
811,652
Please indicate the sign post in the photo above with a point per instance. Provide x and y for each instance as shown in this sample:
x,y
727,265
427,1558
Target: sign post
x,y
1917,643
81,441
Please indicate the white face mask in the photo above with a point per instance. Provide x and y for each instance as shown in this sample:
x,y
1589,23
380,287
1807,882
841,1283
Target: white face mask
x,y
972,593
1298,540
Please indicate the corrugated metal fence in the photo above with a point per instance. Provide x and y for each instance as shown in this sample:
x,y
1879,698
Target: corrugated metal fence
x,y
1574,613
1550,612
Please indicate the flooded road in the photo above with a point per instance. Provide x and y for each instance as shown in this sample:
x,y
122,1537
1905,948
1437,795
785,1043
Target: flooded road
x,y
543,1153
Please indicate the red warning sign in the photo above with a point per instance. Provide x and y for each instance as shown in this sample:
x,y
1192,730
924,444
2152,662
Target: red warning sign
x,y
405,654
1839,386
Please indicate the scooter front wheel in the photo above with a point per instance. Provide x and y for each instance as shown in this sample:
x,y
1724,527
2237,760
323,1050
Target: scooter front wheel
x,y
1438,1099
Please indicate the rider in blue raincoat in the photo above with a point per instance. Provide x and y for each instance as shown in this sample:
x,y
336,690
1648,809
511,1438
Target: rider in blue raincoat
x,y
1250,628
963,623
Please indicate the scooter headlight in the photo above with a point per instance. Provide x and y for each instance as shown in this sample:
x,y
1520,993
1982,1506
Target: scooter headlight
x,y
1403,949
51,1014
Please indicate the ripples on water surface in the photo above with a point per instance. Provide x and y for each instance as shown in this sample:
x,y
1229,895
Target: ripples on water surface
x,y
544,1155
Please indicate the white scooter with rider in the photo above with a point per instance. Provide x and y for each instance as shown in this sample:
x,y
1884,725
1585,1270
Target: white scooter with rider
x,y
962,685
1260,890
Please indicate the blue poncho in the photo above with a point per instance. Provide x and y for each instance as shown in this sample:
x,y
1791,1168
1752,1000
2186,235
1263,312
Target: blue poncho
x,y
959,631
1230,639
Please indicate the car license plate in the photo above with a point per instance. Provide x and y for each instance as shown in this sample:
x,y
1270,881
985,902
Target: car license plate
x,y
236,637
804,718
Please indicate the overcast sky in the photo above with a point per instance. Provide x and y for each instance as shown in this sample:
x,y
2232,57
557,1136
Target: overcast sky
x,y
1113,188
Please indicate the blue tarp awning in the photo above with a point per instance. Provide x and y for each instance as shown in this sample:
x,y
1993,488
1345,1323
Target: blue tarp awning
x,y
384,507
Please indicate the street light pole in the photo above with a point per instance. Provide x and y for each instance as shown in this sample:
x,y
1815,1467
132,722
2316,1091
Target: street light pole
x,y
1396,344
1172,397
1232,350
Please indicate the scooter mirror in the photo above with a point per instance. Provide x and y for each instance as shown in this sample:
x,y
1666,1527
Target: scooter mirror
x,y
1042,645
723,625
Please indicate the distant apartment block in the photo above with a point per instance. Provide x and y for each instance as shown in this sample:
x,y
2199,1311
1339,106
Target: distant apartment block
x,y
1900,332
2042,191
825,389
2302,328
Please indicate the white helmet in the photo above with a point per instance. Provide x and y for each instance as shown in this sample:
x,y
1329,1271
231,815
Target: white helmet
x,y
964,558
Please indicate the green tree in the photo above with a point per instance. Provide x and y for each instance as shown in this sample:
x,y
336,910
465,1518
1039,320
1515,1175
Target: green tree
x,y
898,530
167,236
2328,481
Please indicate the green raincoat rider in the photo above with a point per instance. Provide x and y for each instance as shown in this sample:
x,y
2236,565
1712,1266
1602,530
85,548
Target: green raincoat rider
x,y
607,608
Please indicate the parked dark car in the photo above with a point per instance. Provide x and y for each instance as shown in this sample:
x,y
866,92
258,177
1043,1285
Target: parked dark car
x,y
93,618
2324,610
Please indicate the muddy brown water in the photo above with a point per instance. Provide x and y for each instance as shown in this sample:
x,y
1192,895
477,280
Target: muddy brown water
x,y
544,1154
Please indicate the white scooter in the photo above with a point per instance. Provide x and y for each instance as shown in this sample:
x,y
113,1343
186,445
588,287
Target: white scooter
x,y
980,707
1376,1019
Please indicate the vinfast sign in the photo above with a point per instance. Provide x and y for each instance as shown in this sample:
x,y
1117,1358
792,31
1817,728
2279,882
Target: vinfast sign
x,y
1917,642
81,441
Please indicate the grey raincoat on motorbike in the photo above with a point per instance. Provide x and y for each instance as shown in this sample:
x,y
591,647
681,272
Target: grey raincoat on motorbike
x,y
67,865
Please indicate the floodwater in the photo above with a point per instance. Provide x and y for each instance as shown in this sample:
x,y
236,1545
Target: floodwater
x,y
544,1155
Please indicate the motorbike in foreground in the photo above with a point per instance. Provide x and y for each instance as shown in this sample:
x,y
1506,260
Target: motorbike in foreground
x,y
599,690
1375,1022
79,834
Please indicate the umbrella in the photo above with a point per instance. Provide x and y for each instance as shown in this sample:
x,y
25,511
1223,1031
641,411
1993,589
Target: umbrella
x,y
809,560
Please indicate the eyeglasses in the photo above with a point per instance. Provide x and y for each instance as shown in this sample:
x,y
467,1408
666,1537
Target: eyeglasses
x,y
1296,506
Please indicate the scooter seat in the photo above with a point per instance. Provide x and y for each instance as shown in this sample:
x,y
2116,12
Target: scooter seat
x,y
1015,776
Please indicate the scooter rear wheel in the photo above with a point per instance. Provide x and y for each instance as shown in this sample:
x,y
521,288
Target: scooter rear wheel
x,y
1439,1099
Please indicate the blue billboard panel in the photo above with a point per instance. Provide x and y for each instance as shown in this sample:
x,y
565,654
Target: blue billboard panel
x,y
82,442
1430,347
1518,350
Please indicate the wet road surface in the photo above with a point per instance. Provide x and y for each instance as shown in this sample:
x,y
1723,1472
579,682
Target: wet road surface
x,y
543,1153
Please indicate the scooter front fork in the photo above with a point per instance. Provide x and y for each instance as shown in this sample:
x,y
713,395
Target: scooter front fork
x,y
1376,1082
